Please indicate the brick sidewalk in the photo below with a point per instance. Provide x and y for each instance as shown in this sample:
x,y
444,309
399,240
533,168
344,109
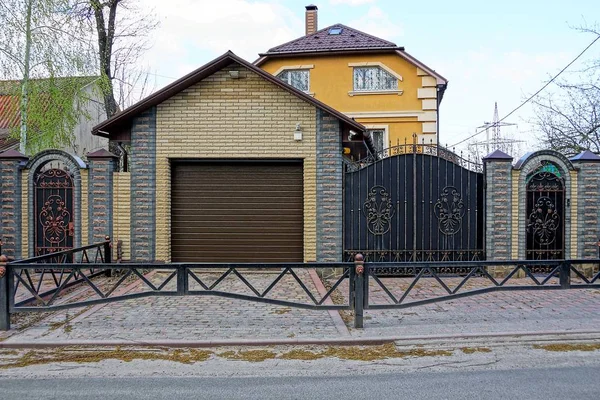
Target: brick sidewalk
x,y
203,318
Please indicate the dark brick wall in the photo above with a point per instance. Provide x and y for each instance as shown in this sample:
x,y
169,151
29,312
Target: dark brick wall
x,y
100,198
329,188
143,186
588,209
10,207
498,201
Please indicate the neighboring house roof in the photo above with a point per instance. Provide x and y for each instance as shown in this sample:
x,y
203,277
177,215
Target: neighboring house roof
x,y
9,105
121,119
346,38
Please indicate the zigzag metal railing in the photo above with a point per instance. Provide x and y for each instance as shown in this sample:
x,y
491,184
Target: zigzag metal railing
x,y
184,276
563,275
65,268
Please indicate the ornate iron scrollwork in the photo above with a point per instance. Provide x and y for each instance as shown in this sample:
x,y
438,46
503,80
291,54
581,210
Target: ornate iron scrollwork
x,y
55,219
378,209
449,209
543,222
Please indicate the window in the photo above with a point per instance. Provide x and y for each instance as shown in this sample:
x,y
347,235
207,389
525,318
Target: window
x,y
378,136
374,79
298,78
335,31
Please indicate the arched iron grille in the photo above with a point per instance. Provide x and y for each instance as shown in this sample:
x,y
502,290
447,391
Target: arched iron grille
x,y
545,238
53,208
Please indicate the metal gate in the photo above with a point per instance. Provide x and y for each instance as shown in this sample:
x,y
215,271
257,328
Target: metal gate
x,y
414,202
53,208
545,214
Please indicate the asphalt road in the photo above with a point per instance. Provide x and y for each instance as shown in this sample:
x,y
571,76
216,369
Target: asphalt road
x,y
544,384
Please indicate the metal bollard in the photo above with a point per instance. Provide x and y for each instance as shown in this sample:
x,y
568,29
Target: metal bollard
x,y
4,295
359,290
108,255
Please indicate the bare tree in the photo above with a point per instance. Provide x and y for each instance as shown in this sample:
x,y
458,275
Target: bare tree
x,y
568,118
122,30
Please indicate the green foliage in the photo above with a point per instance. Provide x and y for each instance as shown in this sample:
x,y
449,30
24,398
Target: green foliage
x,y
54,107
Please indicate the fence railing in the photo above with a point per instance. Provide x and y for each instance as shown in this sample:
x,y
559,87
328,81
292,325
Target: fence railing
x,y
358,286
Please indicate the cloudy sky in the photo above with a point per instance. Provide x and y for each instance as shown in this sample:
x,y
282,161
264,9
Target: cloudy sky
x,y
489,51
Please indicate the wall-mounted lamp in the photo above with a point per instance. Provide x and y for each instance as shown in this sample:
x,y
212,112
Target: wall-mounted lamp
x,y
352,135
298,133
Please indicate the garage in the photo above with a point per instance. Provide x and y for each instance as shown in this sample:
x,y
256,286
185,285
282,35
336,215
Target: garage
x,y
246,211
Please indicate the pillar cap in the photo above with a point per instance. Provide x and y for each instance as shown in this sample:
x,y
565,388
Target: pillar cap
x,y
586,157
102,153
13,154
497,156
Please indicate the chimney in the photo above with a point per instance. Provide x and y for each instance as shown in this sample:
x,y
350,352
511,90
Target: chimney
x,y
311,19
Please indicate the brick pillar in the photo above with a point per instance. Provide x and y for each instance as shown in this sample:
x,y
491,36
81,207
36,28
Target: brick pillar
x,y
143,187
100,194
498,206
329,188
11,162
588,204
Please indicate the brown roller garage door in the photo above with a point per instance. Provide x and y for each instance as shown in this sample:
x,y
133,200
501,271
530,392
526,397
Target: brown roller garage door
x,y
237,212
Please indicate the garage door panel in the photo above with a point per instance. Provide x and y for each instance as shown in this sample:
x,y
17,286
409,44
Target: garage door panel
x,y
237,212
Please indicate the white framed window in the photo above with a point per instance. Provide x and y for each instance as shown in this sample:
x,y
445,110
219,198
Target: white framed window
x,y
373,79
379,135
298,78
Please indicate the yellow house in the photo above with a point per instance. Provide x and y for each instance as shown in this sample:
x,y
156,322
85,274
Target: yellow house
x,y
367,78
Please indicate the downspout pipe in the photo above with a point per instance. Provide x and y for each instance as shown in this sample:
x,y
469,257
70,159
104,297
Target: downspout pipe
x,y
441,88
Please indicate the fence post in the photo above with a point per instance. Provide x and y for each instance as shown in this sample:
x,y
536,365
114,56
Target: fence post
x,y
359,290
4,295
108,254
565,275
182,280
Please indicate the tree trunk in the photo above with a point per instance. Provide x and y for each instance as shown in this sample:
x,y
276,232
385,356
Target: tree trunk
x,y
25,81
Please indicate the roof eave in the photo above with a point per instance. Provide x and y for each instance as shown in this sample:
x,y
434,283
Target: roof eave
x,y
196,76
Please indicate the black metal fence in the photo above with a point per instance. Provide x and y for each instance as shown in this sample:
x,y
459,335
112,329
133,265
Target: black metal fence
x,y
358,282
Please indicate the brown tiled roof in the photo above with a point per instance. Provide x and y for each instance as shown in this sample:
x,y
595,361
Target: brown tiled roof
x,y
347,39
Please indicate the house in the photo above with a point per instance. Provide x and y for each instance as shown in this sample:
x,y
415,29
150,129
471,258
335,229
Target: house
x,y
229,164
91,106
370,79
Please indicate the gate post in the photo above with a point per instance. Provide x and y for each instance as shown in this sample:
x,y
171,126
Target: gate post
x,y
108,254
359,290
4,295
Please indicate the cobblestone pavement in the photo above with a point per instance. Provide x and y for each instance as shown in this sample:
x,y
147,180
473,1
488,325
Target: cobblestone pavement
x,y
496,312
191,317
218,318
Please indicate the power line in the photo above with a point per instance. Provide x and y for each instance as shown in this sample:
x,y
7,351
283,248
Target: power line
x,y
535,94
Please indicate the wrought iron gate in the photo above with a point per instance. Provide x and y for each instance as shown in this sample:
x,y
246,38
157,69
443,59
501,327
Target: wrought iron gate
x,y
53,208
545,214
414,202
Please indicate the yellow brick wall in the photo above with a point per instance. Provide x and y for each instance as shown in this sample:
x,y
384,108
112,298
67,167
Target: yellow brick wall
x,y
515,215
222,118
84,207
574,222
25,213
121,212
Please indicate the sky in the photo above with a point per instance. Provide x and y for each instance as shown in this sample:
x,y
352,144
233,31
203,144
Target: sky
x,y
489,51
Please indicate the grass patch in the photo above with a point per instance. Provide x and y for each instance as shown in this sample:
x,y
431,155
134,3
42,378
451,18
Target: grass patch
x,y
248,355
567,347
91,356
471,350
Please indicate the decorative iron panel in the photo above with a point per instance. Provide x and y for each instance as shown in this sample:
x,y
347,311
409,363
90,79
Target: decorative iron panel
x,y
414,203
545,224
53,209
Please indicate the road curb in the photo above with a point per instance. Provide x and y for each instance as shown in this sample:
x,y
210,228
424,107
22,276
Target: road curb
x,y
406,340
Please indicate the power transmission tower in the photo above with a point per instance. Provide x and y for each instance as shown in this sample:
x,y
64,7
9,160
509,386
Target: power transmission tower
x,y
494,139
